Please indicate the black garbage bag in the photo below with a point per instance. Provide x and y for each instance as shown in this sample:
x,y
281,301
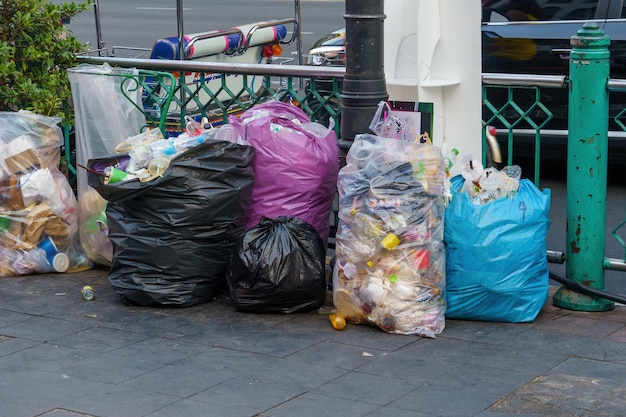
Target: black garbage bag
x,y
278,266
172,236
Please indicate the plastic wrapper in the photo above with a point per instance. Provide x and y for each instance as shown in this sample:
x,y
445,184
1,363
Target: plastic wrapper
x,y
38,209
107,111
172,236
497,269
278,266
296,164
390,257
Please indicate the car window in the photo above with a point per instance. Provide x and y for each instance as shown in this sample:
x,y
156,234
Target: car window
x,y
528,10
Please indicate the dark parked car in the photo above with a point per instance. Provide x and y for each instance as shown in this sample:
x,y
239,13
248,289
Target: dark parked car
x,y
529,37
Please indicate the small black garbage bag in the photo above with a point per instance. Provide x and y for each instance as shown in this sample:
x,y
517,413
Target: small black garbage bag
x,y
172,237
278,266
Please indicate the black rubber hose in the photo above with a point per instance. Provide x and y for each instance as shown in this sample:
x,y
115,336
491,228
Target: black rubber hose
x,y
577,286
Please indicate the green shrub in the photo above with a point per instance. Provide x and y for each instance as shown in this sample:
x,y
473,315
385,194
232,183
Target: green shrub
x,y
36,49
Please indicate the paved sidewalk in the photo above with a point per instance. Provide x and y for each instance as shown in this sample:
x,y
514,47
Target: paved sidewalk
x,y
61,356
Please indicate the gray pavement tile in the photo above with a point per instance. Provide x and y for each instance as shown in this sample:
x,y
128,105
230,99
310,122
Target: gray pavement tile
x,y
26,392
10,345
389,411
497,414
483,331
367,388
119,316
100,339
495,356
89,365
161,350
564,395
109,367
618,314
224,316
268,386
619,335
43,329
182,381
537,340
200,333
8,317
315,404
197,373
442,401
44,300
117,401
45,357
414,367
338,355
612,372
190,408
276,341
498,382
371,337
62,413
590,324
605,350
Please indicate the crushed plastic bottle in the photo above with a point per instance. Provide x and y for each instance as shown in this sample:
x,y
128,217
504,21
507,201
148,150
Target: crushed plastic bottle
x,y
337,321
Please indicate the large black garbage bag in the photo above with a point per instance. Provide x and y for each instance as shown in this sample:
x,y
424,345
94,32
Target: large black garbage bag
x,y
172,237
278,266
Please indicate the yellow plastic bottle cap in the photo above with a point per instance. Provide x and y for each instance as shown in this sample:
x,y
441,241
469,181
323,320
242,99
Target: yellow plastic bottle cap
x,y
390,241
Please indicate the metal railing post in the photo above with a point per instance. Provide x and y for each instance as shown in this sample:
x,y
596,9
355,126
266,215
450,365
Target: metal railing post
x,y
587,165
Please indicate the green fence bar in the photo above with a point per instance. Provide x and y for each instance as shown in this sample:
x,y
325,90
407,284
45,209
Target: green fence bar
x,y
587,163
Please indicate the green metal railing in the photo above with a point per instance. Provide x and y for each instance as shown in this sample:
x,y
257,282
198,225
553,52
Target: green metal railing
x,y
217,90
514,104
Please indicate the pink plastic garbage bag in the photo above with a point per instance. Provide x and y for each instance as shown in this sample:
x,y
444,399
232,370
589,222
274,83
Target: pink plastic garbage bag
x,y
295,167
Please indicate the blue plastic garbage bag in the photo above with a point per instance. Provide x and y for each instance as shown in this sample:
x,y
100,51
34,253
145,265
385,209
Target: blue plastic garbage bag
x,y
496,264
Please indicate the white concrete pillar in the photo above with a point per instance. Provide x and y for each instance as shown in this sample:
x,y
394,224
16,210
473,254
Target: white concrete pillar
x,y
432,54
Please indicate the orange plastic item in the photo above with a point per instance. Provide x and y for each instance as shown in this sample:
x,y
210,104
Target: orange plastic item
x,y
338,322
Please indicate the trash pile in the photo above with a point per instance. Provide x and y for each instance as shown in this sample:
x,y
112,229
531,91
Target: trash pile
x,y
149,153
38,209
484,185
175,208
295,167
496,228
390,257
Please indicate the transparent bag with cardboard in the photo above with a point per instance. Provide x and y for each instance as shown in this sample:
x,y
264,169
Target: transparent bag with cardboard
x,y
38,208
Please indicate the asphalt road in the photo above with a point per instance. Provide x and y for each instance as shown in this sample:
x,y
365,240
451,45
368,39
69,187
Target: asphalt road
x,y
137,23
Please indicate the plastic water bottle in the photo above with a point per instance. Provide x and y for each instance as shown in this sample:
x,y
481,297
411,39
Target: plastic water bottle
x,y
185,142
472,171
491,184
450,159
163,148
192,127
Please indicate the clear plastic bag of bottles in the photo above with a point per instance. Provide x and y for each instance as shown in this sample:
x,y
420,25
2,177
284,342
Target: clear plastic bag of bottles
x,y
390,258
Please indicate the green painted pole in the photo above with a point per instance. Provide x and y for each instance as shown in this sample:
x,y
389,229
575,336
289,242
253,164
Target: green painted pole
x,y
587,154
